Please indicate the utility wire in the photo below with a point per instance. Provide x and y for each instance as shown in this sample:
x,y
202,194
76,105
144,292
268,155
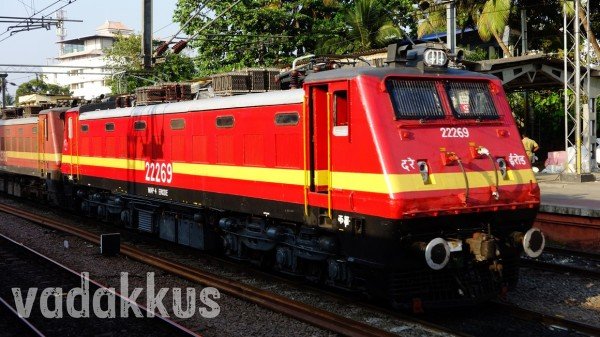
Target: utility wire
x,y
27,6
183,43
42,18
34,13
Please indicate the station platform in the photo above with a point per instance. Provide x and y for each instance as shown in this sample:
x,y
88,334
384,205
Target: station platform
x,y
570,212
569,198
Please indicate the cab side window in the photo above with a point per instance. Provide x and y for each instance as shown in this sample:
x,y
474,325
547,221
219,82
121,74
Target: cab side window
x,y
340,108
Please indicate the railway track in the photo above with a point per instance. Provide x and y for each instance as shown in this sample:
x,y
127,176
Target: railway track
x,y
13,325
573,253
504,310
570,261
560,268
548,320
24,268
303,312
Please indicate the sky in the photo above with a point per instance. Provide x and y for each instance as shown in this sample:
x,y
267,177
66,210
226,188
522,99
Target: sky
x,y
39,46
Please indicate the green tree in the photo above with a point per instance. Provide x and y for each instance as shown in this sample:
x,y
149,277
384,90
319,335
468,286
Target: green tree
x,y
490,17
475,54
10,100
433,19
368,25
544,23
492,20
545,120
259,32
124,56
569,6
38,86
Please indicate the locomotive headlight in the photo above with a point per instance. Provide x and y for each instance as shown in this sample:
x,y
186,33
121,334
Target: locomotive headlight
x,y
424,169
435,58
502,166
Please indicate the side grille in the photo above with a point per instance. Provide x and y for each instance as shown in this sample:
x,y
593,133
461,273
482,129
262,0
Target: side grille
x,y
145,221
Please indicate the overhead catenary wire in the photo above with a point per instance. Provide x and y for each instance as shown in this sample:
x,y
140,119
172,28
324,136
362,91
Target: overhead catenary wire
x,y
27,6
34,13
163,47
183,43
19,25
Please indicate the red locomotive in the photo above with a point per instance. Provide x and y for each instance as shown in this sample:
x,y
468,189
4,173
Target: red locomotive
x,y
408,181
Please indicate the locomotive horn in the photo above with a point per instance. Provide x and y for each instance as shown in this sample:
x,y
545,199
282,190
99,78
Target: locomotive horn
x,y
436,252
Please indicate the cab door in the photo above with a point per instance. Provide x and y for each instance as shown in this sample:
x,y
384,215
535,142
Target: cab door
x,y
70,161
318,137
328,118
41,140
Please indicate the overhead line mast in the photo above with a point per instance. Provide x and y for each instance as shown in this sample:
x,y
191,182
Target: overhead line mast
x,y
580,105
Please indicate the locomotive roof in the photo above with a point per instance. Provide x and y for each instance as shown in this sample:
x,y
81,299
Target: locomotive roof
x,y
19,121
293,96
249,100
381,72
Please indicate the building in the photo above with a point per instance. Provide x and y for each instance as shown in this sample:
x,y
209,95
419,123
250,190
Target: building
x,y
89,81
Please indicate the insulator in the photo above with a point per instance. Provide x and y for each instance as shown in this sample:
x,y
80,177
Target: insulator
x,y
294,79
161,49
178,47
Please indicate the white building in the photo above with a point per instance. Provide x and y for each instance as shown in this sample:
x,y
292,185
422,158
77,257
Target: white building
x,y
86,52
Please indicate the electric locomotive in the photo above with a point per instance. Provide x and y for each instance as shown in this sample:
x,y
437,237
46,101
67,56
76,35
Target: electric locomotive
x,y
30,155
407,181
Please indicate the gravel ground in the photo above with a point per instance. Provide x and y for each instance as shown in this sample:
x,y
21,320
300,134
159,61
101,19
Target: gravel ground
x,y
563,295
237,318
569,296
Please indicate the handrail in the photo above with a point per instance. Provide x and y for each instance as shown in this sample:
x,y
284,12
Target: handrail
x,y
329,154
304,145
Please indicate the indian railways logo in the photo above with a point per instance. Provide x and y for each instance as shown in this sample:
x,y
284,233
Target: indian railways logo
x,y
103,301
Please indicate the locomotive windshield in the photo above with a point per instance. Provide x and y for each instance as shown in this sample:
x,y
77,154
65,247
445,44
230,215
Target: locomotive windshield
x,y
413,99
471,100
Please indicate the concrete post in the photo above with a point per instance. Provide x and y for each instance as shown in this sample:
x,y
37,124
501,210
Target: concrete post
x,y
147,33
451,26
3,87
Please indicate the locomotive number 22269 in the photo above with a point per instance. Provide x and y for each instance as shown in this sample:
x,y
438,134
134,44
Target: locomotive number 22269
x,y
159,172
454,132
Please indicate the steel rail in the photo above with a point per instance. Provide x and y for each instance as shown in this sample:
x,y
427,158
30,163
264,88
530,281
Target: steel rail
x,y
295,309
165,320
546,319
571,252
560,268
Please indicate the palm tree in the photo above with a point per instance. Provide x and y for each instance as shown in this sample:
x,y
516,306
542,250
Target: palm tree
x,y
492,20
569,7
490,17
368,26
